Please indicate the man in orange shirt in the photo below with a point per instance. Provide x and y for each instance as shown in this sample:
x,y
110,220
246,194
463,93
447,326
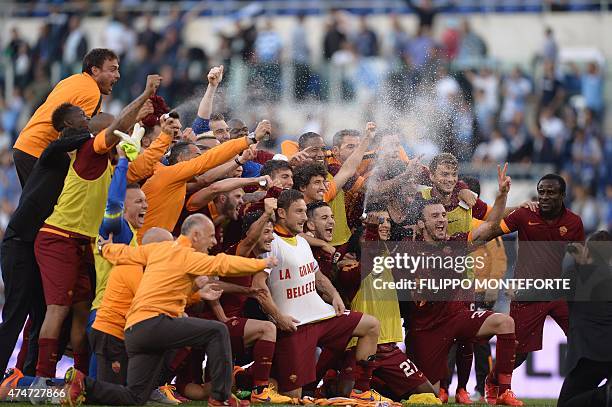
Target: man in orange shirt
x,y
167,188
100,73
154,323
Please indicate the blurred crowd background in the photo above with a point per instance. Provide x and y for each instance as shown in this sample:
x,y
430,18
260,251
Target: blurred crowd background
x,y
420,64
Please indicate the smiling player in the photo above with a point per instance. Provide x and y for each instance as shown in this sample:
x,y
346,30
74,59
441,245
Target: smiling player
x,y
85,90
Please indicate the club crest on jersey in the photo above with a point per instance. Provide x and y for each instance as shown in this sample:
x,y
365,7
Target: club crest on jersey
x,y
562,230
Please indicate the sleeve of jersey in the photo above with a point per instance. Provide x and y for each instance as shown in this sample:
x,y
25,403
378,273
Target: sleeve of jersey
x,y
511,222
331,192
214,157
222,264
480,210
289,148
112,221
144,165
200,125
100,146
124,254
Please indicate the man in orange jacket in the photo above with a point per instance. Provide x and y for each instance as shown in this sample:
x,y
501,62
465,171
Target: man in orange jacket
x,y
155,322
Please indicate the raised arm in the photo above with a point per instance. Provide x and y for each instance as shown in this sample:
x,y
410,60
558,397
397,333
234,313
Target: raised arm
x,y
207,194
144,165
201,123
222,170
349,167
128,115
247,244
112,221
491,227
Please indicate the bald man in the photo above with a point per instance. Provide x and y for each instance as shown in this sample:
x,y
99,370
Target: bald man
x,y
154,322
156,235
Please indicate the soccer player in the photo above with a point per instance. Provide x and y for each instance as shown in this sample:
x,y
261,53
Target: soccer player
x,y
280,172
394,374
433,326
20,273
63,244
306,318
251,333
154,323
221,201
552,222
85,90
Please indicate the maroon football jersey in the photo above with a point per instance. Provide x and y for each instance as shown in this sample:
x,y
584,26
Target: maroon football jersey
x,y
541,260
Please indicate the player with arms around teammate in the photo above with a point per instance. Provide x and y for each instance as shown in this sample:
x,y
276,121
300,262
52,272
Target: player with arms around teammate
x,y
432,327
307,309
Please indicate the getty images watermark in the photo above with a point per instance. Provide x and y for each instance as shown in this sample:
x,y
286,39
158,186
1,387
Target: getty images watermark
x,y
461,265
455,271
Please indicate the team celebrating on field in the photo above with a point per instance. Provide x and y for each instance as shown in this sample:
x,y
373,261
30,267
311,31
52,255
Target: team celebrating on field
x,y
149,250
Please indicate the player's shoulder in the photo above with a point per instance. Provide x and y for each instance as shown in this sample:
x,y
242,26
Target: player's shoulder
x,y
301,242
572,216
522,215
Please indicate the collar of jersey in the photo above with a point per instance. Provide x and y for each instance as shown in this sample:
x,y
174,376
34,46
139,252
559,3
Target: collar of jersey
x,y
285,235
183,240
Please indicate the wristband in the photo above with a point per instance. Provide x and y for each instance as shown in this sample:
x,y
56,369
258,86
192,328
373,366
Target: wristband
x,y
237,161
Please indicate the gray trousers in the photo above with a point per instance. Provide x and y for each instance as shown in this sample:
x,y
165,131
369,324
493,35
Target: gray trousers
x,y
108,350
148,341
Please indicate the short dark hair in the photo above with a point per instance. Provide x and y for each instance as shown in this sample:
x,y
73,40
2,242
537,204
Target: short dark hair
x,y
313,206
421,204
60,115
303,174
598,250
473,183
304,138
274,165
250,218
96,57
555,177
443,158
287,197
216,117
132,185
340,135
235,123
177,150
